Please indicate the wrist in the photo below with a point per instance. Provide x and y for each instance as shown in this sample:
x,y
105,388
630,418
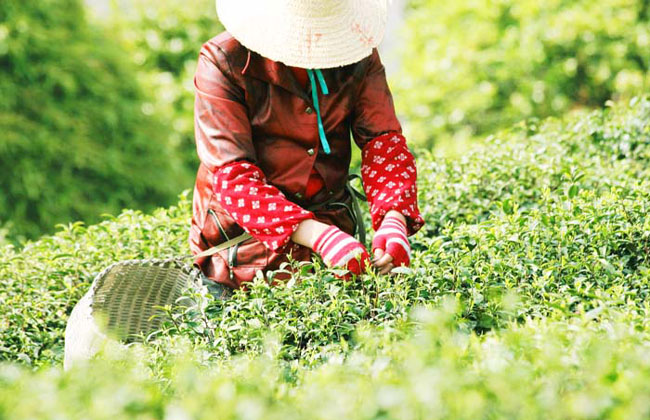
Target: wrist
x,y
308,231
397,215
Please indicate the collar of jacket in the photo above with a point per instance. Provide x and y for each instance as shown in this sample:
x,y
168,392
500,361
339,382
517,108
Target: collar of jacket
x,y
274,72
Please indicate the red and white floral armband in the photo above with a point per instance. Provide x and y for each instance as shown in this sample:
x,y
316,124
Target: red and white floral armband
x,y
258,207
389,174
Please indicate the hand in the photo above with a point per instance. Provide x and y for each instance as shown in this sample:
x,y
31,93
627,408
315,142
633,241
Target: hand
x,y
390,246
340,250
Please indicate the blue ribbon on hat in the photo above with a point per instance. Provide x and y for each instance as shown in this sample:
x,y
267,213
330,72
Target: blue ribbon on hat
x,y
314,94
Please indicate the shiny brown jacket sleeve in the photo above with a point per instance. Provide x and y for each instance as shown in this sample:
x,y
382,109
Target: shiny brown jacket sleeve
x,y
221,124
387,166
374,111
223,137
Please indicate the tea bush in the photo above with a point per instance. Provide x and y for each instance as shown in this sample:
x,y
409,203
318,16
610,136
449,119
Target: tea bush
x,y
544,222
544,369
77,137
473,67
42,282
527,298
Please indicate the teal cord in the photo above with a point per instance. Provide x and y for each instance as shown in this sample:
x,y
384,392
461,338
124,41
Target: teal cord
x,y
314,94
321,80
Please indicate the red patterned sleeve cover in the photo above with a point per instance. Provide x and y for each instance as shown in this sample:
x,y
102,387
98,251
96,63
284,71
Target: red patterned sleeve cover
x,y
389,174
258,207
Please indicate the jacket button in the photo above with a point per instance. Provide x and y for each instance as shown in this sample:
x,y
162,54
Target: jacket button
x,y
310,152
309,110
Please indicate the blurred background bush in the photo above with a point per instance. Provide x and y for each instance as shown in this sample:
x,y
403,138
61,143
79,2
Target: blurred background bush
x,y
79,135
473,67
95,111
163,39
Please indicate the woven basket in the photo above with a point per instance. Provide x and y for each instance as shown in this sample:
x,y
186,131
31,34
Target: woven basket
x,y
126,300
128,295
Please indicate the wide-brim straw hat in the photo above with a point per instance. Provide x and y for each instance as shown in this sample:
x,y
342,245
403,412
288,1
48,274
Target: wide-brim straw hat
x,y
312,34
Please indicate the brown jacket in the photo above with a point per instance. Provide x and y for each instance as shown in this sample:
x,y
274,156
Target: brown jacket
x,y
251,108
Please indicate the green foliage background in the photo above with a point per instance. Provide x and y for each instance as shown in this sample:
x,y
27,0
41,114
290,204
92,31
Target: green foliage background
x,y
163,39
96,113
472,67
78,138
